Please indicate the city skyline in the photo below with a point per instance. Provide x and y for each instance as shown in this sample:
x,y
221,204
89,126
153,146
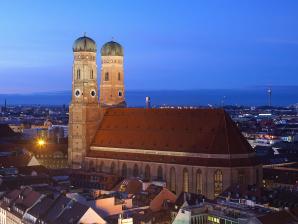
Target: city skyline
x,y
207,46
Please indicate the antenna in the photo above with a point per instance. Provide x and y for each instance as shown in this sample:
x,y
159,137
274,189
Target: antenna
x,y
84,34
269,91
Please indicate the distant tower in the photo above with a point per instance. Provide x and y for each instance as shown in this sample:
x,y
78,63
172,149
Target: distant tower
x,y
269,96
84,107
112,76
148,102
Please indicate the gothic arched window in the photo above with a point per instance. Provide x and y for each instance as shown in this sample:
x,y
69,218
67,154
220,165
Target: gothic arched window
x,y
147,175
100,167
112,171
218,185
91,166
241,177
78,74
199,181
185,180
159,173
257,177
135,171
124,170
172,179
106,76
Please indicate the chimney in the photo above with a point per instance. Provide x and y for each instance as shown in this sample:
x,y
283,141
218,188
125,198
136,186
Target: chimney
x,y
148,103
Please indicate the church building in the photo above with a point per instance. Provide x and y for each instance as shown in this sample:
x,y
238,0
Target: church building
x,y
190,150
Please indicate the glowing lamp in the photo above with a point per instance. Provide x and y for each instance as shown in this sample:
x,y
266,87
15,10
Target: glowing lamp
x,y
41,142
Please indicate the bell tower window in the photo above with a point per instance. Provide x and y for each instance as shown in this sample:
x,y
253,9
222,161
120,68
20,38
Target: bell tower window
x,y
119,93
78,74
106,76
119,76
91,75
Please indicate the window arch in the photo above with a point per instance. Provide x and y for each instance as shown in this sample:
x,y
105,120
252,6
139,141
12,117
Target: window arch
x,y
199,181
124,170
241,177
257,177
135,171
113,166
185,180
159,173
78,74
91,166
100,167
173,179
218,184
147,175
106,76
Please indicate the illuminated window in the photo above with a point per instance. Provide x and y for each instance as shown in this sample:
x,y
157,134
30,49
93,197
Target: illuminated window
x,y
135,172
124,170
159,173
185,180
199,182
119,76
218,186
147,174
106,76
172,179
78,74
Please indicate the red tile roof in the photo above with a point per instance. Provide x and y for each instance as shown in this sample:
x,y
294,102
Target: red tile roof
x,y
207,131
20,160
188,130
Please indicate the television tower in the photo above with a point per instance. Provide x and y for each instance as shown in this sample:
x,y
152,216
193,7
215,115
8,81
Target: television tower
x,y
269,91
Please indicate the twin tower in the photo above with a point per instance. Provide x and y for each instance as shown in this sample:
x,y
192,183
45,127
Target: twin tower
x,y
85,110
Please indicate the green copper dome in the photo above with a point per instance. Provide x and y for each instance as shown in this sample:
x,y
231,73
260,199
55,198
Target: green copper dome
x,y
84,44
112,48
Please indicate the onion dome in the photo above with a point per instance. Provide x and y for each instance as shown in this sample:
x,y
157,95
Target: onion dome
x,y
112,48
84,44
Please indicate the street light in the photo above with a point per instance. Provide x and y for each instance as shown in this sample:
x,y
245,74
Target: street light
x,y
41,142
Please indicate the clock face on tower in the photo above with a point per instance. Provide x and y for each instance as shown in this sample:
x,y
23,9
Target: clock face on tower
x,y
77,93
93,93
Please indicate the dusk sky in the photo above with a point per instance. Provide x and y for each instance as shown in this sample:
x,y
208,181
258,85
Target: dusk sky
x,y
168,44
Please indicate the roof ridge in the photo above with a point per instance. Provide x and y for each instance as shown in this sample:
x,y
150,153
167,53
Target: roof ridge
x,y
50,207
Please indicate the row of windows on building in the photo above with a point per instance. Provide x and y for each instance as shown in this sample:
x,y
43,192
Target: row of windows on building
x,y
202,219
79,74
218,177
107,75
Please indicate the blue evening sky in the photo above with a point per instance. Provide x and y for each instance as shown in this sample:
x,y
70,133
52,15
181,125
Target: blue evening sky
x,y
168,44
